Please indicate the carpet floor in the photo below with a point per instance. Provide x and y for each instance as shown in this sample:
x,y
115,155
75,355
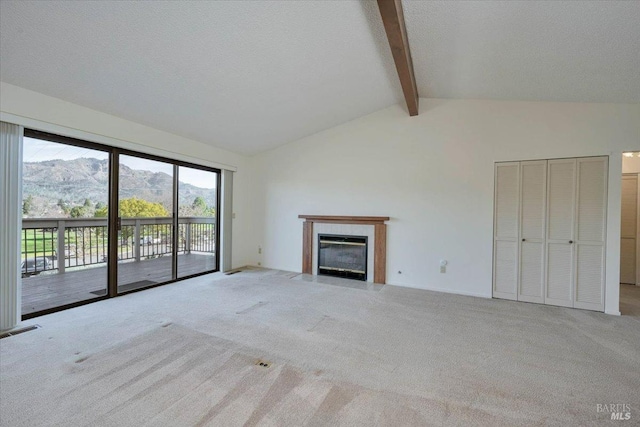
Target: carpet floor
x,y
262,348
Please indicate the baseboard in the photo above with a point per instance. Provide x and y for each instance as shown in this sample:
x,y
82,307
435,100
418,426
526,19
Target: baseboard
x,y
238,269
613,313
444,290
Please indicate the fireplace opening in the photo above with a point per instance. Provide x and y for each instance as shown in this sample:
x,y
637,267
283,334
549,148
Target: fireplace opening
x,y
342,256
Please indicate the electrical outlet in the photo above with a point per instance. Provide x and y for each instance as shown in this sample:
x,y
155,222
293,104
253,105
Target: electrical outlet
x,y
233,215
443,266
259,249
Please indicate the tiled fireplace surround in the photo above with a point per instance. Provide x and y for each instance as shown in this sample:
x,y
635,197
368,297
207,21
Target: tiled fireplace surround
x,y
373,227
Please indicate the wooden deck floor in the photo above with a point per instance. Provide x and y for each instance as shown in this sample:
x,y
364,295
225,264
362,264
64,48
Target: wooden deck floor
x,y
53,290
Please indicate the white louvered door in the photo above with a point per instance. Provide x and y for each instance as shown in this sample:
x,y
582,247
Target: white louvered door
x,y
561,184
549,231
629,230
591,220
506,230
533,194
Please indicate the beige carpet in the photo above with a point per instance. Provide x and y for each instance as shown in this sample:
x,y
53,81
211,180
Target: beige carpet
x,y
187,354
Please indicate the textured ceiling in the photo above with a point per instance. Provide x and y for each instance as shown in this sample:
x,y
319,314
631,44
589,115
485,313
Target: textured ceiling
x,y
245,76
249,76
526,50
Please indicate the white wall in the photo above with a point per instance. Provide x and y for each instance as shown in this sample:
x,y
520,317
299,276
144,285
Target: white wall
x,y
630,164
433,175
37,111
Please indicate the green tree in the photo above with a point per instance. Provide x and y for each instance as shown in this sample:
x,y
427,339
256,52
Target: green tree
x,y
79,212
199,205
27,205
198,208
63,205
101,212
134,207
87,203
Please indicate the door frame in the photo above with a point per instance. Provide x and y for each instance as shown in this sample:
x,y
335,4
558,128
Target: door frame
x,y
637,175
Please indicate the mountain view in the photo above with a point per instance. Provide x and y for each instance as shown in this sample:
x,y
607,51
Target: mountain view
x,y
52,188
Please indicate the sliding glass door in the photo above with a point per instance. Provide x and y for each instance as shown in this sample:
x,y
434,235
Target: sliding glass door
x,y
197,210
100,221
65,232
145,223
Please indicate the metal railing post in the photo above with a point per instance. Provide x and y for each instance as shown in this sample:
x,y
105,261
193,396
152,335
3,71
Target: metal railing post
x,y
61,258
187,238
136,240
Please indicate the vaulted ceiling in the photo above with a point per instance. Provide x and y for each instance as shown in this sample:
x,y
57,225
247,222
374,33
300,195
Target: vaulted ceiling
x,y
251,75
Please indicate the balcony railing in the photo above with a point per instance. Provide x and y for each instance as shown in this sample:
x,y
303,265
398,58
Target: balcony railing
x,y
58,244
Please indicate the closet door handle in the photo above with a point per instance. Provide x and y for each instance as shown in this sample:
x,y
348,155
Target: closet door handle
x,y
571,241
524,240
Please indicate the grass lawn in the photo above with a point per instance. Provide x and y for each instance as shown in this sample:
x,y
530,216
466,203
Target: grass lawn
x,y
44,242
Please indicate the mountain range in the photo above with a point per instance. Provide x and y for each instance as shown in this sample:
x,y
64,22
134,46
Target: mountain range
x,y
74,181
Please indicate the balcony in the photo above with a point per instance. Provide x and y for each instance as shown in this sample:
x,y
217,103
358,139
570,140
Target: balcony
x,y
61,258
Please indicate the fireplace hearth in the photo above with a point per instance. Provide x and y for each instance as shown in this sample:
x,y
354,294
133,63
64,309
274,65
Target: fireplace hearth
x,y
342,256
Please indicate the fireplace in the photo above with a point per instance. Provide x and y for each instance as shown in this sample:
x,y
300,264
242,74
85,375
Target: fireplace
x,y
373,227
342,256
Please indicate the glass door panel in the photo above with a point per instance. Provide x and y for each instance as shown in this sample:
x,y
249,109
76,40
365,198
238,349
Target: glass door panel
x,y
197,221
145,235
64,237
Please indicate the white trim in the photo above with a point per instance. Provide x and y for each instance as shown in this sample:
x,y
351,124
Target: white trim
x,y
40,125
612,313
447,291
638,233
226,221
637,175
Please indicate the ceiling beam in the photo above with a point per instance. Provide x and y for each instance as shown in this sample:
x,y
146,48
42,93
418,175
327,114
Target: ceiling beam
x,y
393,20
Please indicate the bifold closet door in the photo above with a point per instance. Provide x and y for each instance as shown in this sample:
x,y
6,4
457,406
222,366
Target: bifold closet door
x,y
533,194
561,185
591,219
629,230
506,228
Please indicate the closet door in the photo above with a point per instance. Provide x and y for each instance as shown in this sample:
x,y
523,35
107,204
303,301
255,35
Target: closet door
x,y
533,194
561,184
629,230
505,228
591,218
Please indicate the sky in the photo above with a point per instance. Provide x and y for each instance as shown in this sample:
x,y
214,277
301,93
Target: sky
x,y
37,150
